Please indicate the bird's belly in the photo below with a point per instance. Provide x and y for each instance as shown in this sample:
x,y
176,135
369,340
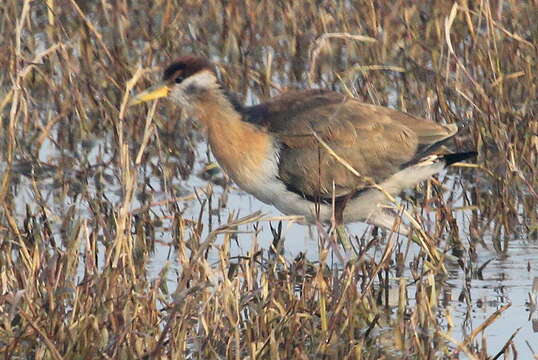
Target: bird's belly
x,y
289,203
275,193
271,190
268,188
260,179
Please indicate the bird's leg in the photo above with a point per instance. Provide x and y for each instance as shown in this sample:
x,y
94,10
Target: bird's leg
x,y
340,229
389,220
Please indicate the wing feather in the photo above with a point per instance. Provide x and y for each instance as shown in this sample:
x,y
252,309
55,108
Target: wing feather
x,y
376,141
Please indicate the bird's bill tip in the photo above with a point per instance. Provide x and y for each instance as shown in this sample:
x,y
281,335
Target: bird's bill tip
x,y
155,92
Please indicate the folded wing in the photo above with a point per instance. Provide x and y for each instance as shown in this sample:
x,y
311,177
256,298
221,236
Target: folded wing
x,y
375,141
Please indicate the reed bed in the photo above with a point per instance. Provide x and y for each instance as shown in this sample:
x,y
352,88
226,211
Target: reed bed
x,y
90,188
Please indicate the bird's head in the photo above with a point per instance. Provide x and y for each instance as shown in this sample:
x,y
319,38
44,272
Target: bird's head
x,y
185,81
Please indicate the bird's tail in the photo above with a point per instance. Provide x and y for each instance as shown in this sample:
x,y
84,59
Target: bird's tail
x,y
450,159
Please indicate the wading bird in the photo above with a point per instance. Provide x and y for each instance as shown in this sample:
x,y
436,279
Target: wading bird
x,y
274,150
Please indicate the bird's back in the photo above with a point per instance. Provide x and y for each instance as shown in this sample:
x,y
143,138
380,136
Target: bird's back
x,y
376,141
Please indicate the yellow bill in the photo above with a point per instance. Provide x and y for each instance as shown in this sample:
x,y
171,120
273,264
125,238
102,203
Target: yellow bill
x,y
154,92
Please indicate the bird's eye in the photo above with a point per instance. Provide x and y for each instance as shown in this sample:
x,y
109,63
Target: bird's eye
x,y
179,79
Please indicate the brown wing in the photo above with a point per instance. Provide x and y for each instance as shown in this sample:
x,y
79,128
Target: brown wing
x,y
375,140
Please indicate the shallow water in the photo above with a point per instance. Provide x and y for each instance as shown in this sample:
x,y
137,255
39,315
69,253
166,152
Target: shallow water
x,y
505,279
70,100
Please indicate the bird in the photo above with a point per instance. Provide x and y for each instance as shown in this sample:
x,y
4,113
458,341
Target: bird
x,y
295,150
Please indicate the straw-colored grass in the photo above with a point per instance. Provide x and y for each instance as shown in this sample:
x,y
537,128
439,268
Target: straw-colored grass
x,y
89,188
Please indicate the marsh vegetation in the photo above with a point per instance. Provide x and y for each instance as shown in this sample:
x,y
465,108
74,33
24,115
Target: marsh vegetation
x,y
120,239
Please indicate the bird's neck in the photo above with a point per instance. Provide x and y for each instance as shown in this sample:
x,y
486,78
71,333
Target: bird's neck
x,y
241,148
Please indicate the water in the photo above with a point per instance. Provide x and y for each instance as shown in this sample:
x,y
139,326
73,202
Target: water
x,y
506,279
